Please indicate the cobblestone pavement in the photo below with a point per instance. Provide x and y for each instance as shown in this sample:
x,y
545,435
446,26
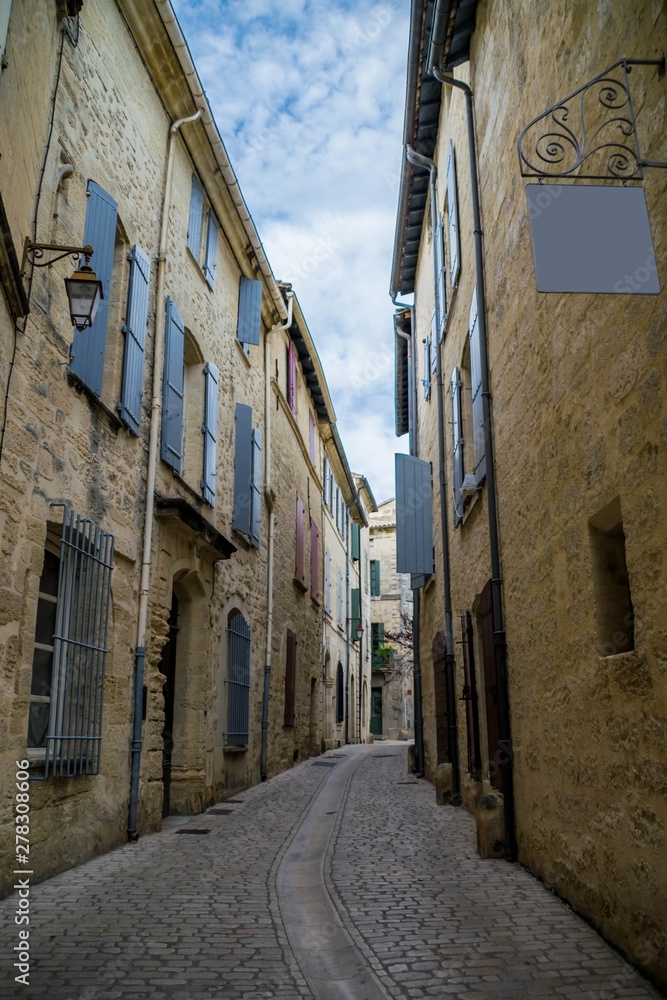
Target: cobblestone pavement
x,y
197,917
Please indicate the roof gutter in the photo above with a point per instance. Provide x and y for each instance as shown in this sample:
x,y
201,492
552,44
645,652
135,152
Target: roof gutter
x,y
177,38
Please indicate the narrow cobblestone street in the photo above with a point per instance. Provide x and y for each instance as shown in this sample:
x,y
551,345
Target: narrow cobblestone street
x,y
340,878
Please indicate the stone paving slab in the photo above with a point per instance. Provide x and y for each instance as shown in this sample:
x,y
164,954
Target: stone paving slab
x,y
197,917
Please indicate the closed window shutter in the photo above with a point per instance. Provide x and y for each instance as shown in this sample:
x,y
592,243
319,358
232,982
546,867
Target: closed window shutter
x,y
414,516
327,581
256,502
211,249
210,431
242,469
311,437
5,7
433,347
290,679
355,611
340,597
299,569
325,477
314,561
135,340
195,218
172,389
426,381
100,233
453,212
441,289
356,541
249,325
375,578
457,445
479,447
291,377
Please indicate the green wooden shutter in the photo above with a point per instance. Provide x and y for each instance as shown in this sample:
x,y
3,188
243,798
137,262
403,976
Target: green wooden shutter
x,y
249,324
356,541
172,388
211,250
99,232
242,469
195,218
256,500
479,446
132,390
355,611
457,446
210,431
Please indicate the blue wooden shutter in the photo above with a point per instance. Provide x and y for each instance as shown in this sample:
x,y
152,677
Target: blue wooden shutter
x,y
210,431
325,477
457,445
327,581
453,212
434,344
256,501
172,388
100,232
135,340
242,469
211,249
195,218
250,311
340,597
479,446
414,519
440,288
426,381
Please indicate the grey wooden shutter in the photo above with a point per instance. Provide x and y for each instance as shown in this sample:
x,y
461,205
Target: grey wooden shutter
x,y
440,288
414,520
250,311
327,581
375,577
355,611
434,344
340,597
356,541
210,431
325,477
453,212
479,446
211,249
132,390
242,469
172,388
426,381
457,445
195,218
5,7
99,231
256,501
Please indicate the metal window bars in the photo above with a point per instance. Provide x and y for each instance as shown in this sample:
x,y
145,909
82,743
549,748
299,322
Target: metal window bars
x,y
80,646
238,681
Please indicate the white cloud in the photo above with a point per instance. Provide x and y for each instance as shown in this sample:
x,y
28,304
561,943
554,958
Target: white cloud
x,y
308,97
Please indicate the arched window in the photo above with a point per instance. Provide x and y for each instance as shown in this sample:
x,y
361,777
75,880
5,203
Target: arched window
x,y
340,693
238,680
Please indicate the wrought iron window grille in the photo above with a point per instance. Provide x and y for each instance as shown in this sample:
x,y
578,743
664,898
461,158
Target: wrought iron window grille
x,y
592,129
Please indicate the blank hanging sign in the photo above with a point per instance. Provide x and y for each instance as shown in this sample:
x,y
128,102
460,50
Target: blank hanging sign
x,y
592,238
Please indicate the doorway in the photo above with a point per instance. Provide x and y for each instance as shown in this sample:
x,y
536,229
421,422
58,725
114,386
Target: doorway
x,y
485,619
376,711
167,668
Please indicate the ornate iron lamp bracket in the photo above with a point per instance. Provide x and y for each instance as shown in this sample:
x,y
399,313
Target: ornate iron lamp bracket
x,y
34,252
591,133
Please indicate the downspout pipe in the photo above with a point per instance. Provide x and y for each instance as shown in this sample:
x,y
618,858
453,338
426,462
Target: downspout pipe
x,y
269,496
156,406
505,752
417,159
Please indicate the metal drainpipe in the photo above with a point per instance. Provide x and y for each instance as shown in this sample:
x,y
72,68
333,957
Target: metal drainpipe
x,y
140,651
499,638
269,497
417,159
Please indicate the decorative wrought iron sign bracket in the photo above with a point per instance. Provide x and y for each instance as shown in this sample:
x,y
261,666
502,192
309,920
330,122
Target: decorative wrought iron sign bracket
x,y
592,129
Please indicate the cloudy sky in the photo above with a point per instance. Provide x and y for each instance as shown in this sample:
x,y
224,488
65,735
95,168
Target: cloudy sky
x,y
308,96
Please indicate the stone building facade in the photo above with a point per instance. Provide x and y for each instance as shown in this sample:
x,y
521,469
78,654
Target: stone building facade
x,y
545,608
161,472
392,704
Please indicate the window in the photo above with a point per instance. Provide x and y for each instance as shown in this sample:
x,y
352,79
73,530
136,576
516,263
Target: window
x,y
340,597
377,640
291,377
611,582
340,693
238,680
249,326
290,679
314,561
202,231
69,658
247,512
453,213
299,556
375,577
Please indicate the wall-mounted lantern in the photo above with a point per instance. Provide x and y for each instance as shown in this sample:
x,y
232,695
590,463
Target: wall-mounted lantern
x,y
84,288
